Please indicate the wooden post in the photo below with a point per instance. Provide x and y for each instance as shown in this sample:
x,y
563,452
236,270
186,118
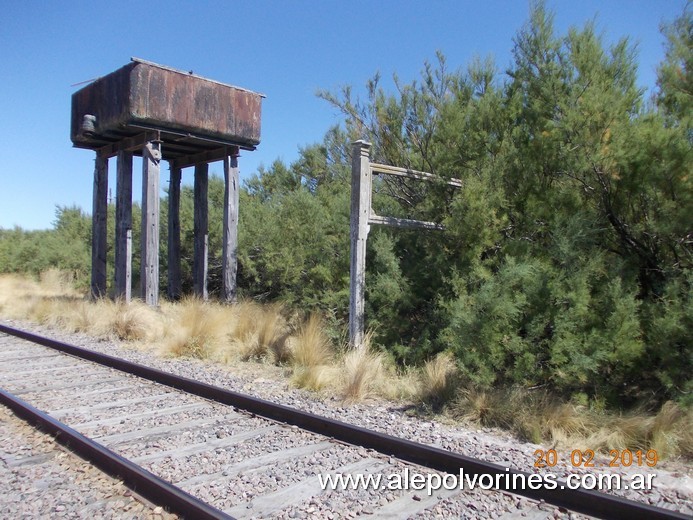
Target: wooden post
x,y
99,219
360,211
200,231
128,263
229,260
149,273
123,247
174,278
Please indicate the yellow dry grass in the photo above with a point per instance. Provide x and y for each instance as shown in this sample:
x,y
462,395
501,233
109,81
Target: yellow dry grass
x,y
21,297
195,329
312,356
670,431
135,321
364,372
541,418
245,331
53,302
312,346
360,374
438,380
533,415
260,332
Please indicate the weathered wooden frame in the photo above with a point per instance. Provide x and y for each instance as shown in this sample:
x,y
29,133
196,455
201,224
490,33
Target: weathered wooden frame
x,y
362,216
150,146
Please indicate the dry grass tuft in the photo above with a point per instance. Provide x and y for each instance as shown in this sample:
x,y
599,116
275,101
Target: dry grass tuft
x,y
670,431
439,380
312,346
532,415
13,288
538,416
314,378
197,329
135,321
272,333
399,385
102,318
311,355
88,317
53,302
243,327
362,372
485,407
58,282
564,424
629,431
260,333
51,312
541,418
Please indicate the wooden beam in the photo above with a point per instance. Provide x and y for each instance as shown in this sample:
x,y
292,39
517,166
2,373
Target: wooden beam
x,y
167,132
123,238
201,230
127,144
412,174
217,154
229,260
361,187
174,276
404,223
99,220
362,215
149,272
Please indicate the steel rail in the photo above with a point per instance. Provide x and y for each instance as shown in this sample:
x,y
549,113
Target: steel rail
x,y
592,503
150,486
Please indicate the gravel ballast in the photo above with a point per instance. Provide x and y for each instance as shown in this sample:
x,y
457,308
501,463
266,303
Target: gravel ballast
x,y
673,487
39,479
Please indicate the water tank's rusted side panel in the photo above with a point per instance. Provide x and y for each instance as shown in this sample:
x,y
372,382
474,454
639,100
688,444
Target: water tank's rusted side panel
x,y
161,98
170,99
107,99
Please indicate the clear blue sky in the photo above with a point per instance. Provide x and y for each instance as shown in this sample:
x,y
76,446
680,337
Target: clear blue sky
x,y
284,49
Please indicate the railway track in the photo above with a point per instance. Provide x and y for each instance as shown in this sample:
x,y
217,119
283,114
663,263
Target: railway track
x,y
42,479
206,452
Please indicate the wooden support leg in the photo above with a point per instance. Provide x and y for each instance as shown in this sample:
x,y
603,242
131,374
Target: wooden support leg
x,y
174,278
229,261
200,231
360,211
123,239
99,220
149,273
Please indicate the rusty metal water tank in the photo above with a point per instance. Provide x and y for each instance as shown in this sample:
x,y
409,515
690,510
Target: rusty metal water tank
x,y
192,114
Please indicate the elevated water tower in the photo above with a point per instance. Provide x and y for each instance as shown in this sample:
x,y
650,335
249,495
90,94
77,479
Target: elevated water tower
x,y
159,113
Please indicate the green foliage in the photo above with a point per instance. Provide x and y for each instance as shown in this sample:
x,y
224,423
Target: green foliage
x,y
566,257
292,248
676,72
66,247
